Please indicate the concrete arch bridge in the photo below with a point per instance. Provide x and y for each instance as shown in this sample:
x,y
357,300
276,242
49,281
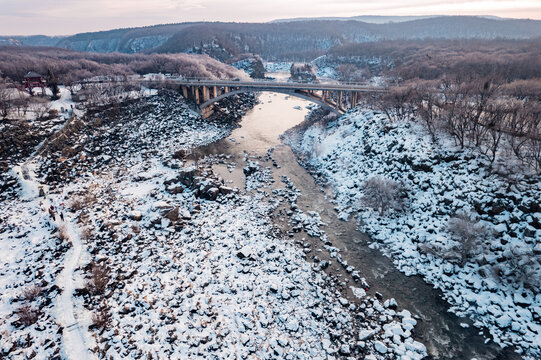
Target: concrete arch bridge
x,y
338,97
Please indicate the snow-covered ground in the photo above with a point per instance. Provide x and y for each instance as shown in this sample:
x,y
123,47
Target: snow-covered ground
x,y
38,260
31,258
150,257
498,286
272,67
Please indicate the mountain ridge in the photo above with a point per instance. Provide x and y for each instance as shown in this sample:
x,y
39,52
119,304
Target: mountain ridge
x,y
282,40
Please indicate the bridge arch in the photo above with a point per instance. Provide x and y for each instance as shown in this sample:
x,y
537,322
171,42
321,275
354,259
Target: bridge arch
x,y
287,92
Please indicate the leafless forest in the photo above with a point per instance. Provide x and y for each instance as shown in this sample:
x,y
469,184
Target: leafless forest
x,y
69,66
486,94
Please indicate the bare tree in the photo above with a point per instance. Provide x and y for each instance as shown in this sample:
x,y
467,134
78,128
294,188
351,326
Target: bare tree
x,y
21,105
384,194
495,117
350,72
469,235
482,92
397,103
40,107
426,96
5,98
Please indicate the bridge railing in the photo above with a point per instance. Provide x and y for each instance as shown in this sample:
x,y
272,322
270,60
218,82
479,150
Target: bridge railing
x,y
348,86
196,80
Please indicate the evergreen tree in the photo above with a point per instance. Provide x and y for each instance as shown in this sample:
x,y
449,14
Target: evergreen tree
x,y
52,83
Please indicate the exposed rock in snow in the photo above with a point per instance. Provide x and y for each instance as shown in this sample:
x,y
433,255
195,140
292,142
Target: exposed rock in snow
x,y
380,347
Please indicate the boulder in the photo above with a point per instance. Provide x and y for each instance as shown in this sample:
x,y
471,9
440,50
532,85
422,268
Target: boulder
x,y
251,168
173,214
245,252
380,347
210,194
186,176
225,190
136,215
366,334
162,205
175,189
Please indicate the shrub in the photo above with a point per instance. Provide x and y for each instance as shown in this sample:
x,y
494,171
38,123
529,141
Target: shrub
x,y
63,232
99,278
32,292
83,202
469,234
525,268
87,233
101,318
384,194
28,315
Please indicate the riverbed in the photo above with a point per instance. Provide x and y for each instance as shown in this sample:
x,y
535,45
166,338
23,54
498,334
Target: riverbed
x,y
444,334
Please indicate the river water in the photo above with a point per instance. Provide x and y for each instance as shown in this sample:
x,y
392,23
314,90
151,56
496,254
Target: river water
x,y
442,332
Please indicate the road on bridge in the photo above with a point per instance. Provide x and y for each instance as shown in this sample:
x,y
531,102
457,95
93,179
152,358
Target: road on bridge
x,y
269,84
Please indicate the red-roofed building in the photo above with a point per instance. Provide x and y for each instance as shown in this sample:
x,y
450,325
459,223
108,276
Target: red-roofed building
x,y
33,80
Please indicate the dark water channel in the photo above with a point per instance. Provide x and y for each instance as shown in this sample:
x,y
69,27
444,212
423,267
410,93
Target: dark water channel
x,y
440,330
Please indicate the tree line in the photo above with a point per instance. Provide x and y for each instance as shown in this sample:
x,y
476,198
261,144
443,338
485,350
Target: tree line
x,y
69,66
484,113
65,67
432,59
485,94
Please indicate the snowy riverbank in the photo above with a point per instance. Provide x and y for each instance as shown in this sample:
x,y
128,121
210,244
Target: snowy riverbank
x,y
441,181
166,260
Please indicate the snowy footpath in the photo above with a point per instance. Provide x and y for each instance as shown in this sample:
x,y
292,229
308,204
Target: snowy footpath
x,y
73,340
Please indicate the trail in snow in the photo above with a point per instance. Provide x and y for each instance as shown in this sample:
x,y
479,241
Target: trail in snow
x,y
74,342
73,337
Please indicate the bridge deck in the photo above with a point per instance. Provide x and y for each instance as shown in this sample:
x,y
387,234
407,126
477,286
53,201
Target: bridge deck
x,y
261,84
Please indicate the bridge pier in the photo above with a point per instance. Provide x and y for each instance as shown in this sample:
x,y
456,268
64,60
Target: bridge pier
x,y
205,91
184,91
196,94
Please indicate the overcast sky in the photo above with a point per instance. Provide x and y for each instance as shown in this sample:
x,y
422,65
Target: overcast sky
x,y
63,17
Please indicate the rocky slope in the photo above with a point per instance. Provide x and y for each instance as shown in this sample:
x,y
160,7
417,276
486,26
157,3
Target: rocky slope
x,y
498,284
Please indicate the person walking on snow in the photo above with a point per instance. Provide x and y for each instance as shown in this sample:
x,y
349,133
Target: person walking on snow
x,y
60,209
51,217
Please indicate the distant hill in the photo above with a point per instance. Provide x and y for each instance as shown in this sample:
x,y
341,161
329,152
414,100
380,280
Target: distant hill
x,y
33,40
378,19
130,40
294,39
372,19
463,27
